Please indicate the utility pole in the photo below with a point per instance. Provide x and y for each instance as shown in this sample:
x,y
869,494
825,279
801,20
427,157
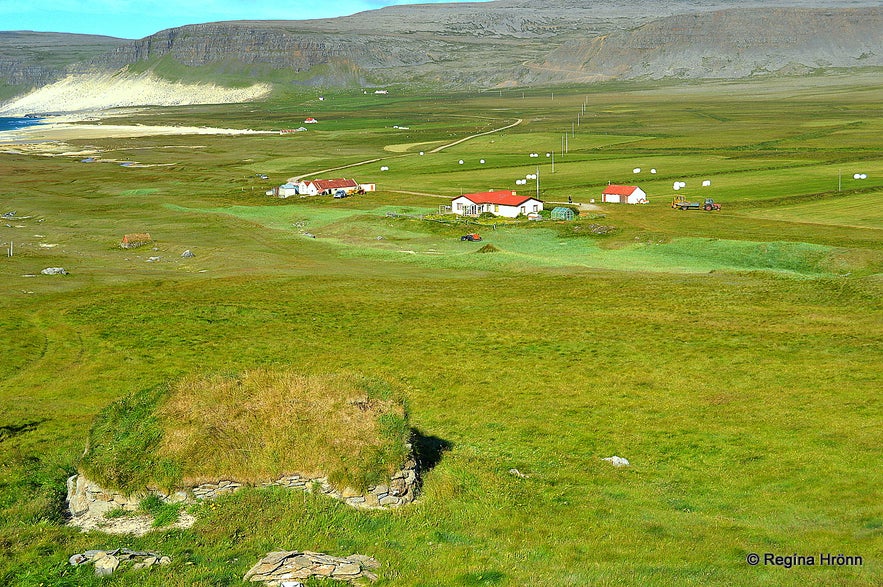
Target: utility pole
x,y
538,182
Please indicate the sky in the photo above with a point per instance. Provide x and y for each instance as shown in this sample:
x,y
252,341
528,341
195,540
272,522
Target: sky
x,y
134,19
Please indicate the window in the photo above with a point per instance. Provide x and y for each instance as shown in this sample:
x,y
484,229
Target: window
x,y
522,209
535,208
459,205
496,207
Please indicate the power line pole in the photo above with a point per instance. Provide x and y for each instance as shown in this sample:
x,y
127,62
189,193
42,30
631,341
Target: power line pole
x,y
538,182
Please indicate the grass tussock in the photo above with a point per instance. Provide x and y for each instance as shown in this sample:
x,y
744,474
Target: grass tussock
x,y
253,427
488,248
121,452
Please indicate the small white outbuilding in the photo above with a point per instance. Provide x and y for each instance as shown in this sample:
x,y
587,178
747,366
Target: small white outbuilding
x,y
623,194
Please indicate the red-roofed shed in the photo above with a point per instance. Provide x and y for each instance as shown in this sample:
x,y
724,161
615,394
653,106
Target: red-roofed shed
x,y
624,194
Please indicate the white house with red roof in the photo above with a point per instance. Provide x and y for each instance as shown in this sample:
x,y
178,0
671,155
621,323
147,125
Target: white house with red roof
x,y
624,194
501,202
316,187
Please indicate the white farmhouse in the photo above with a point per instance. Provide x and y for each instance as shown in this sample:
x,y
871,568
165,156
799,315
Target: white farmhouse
x,y
502,203
624,194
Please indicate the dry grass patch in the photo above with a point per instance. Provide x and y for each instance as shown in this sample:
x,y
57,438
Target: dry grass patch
x,y
252,427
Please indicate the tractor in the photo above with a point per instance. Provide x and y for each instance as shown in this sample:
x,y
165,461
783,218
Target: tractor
x,y
471,237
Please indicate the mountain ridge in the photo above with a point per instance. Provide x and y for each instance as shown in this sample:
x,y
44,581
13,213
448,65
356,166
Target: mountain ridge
x,y
495,44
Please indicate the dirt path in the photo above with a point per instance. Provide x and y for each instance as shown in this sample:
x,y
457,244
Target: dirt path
x,y
481,134
300,177
420,194
436,150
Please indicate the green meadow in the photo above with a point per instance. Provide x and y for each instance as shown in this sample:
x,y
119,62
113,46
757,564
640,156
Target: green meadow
x,y
732,357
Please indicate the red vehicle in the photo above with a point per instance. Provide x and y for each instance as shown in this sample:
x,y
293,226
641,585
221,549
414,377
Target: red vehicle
x,y
471,237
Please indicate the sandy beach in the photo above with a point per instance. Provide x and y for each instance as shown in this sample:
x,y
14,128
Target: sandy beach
x,y
65,128
85,103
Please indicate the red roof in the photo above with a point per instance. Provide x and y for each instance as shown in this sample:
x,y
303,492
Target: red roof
x,y
501,197
620,190
333,184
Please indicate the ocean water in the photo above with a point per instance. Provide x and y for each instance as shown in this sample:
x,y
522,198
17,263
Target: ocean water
x,y
7,123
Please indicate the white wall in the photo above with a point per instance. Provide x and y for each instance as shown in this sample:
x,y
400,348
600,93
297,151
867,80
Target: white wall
x,y
637,196
531,205
309,190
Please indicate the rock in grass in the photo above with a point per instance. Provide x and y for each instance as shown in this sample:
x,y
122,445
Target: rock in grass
x,y
54,271
279,566
77,559
617,461
106,565
187,254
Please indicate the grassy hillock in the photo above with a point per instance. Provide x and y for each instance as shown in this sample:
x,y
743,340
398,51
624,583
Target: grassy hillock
x,y
251,428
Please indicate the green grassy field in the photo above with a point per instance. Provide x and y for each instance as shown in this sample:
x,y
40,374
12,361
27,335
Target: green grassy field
x,y
733,357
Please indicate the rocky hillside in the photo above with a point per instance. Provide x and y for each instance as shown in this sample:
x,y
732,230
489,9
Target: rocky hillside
x,y
499,43
724,44
29,59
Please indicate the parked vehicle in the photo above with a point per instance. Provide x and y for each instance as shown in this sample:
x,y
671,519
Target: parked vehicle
x,y
341,194
471,237
681,203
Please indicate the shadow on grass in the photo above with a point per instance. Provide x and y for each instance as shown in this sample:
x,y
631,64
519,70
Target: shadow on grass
x,y
428,450
11,430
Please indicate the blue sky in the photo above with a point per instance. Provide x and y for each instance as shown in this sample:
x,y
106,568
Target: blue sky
x,y
134,19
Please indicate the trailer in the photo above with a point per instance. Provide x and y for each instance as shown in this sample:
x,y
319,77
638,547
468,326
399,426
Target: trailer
x,y
681,203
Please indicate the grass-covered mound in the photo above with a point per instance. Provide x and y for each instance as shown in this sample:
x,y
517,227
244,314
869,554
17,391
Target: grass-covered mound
x,y
251,428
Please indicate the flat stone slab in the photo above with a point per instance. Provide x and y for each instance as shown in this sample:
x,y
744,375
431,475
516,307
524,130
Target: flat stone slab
x,y
280,566
109,562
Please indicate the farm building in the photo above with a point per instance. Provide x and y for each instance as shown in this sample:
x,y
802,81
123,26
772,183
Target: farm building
x,y
502,203
134,240
318,187
284,191
623,194
562,213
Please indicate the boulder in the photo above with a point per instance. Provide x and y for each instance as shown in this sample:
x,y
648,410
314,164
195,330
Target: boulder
x,y
106,565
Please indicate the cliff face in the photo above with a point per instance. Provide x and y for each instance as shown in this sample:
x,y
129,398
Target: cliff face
x,y
490,44
278,48
31,59
725,44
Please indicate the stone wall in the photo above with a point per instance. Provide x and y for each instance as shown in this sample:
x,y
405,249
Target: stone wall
x,y
86,499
